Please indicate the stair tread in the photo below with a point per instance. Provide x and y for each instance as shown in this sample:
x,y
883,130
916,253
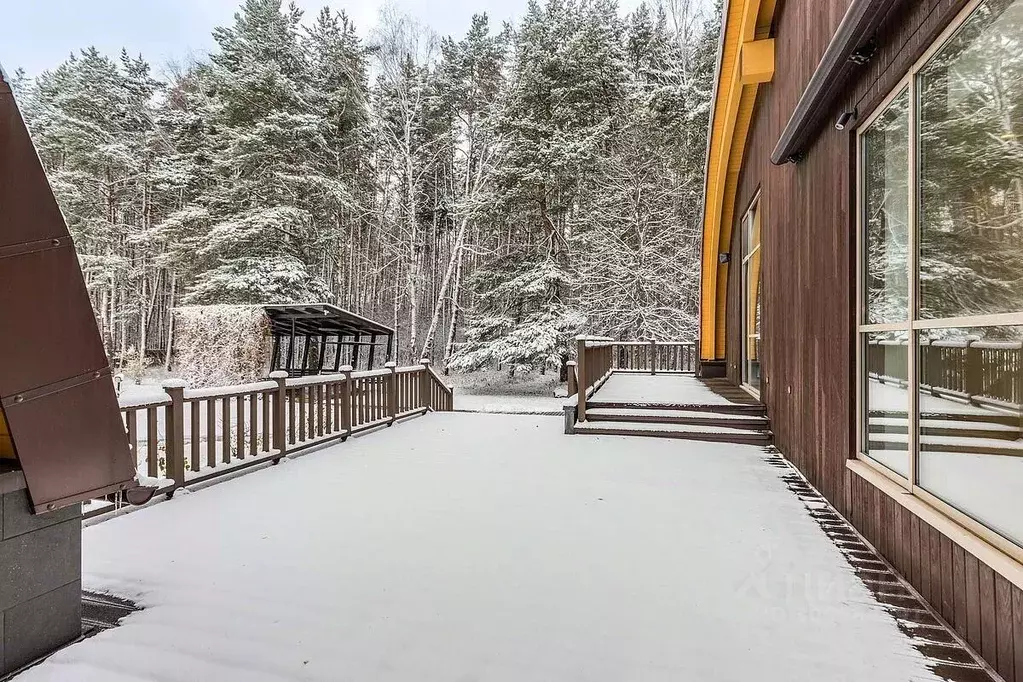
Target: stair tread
x,y
670,427
691,414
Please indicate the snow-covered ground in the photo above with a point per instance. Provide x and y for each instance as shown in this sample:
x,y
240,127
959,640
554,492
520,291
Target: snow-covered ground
x,y
659,388
511,404
486,547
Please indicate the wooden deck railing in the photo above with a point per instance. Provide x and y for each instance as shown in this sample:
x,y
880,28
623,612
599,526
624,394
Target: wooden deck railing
x,y
597,358
188,436
987,372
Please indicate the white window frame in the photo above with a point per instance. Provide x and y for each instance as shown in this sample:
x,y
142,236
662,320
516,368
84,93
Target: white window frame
x,y
912,326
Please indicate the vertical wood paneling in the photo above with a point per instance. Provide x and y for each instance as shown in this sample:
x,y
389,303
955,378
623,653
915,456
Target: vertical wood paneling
x,y
959,590
988,640
808,243
1005,662
973,602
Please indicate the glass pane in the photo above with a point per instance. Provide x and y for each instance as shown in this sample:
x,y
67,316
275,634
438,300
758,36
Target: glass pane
x,y
753,361
886,400
971,167
885,158
971,452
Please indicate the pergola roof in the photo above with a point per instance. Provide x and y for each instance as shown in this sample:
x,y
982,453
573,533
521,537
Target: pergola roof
x,y
321,319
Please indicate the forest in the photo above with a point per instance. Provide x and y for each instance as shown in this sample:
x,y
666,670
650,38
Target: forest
x,y
489,195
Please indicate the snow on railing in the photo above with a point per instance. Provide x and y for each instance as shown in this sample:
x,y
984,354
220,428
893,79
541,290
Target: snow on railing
x,y
186,436
597,358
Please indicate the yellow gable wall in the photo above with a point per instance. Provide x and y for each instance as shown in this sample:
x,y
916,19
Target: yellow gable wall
x,y
747,59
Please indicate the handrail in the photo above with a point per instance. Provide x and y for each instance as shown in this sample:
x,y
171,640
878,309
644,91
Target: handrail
x,y
191,435
597,358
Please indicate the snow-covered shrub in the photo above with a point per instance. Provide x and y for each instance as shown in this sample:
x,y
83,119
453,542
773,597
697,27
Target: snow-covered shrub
x,y
220,345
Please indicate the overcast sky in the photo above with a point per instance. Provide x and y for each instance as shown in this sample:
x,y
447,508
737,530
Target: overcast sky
x,y
39,34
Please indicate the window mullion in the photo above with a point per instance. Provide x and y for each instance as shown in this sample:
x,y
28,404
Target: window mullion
x,y
912,270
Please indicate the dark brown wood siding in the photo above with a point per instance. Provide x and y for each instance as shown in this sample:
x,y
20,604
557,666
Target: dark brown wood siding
x,y
808,217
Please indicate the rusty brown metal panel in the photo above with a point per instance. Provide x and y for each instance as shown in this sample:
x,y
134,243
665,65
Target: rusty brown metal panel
x,y
50,331
55,384
29,211
71,442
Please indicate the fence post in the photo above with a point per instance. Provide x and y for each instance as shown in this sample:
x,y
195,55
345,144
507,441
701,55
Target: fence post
x,y
580,357
653,356
346,402
280,436
573,379
175,438
974,379
392,391
424,384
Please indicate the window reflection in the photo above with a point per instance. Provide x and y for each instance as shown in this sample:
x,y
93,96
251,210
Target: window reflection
x,y
886,213
971,168
886,398
971,452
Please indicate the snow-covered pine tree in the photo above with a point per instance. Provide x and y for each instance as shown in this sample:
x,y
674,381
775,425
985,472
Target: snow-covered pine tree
x,y
252,230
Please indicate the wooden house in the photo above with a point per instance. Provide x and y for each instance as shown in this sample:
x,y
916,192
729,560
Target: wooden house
x,y
862,276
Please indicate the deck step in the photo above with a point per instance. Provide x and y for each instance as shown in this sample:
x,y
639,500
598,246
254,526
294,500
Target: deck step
x,y
692,417
751,409
715,434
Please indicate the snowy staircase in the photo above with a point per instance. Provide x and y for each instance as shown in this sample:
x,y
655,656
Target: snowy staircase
x,y
744,424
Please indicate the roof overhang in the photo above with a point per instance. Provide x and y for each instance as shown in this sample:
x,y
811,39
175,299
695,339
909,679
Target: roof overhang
x,y
849,50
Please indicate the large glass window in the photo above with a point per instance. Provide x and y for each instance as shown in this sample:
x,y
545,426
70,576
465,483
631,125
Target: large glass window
x,y
752,278
941,253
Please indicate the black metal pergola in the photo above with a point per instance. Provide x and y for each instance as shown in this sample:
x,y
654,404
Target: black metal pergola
x,y
319,338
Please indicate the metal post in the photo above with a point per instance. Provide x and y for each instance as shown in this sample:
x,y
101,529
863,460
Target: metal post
x,y
175,388
355,350
580,357
337,355
653,356
323,353
372,350
275,357
392,391
291,349
305,356
390,347
280,441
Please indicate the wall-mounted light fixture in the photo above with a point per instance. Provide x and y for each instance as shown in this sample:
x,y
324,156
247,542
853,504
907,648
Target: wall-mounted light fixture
x,y
845,119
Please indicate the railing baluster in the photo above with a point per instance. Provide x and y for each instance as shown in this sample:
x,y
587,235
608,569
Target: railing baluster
x,y
194,432
253,424
292,433
131,416
211,432
225,430
152,443
240,432
266,421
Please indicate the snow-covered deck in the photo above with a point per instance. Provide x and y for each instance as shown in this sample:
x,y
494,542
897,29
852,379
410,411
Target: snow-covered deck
x,y
492,548
669,389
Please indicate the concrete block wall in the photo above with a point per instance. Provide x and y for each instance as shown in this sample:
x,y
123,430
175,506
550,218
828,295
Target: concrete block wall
x,y
40,577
